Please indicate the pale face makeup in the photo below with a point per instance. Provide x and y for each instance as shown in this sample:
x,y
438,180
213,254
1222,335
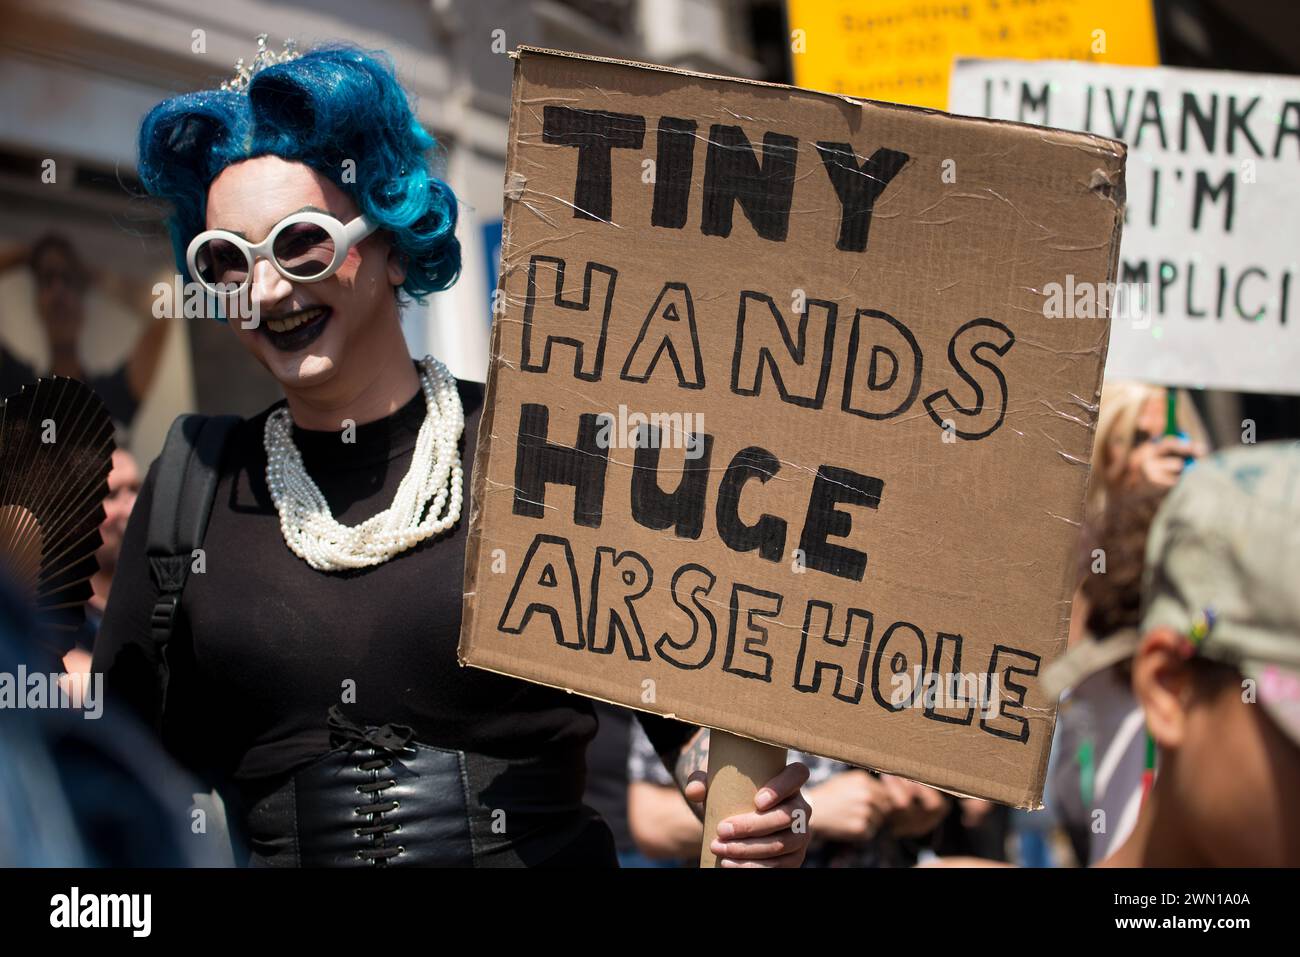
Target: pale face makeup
x,y
308,334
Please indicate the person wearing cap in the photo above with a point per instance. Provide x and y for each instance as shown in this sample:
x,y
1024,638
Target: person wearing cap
x,y
1217,670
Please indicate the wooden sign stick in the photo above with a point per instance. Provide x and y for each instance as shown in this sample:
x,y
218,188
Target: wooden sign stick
x,y
738,767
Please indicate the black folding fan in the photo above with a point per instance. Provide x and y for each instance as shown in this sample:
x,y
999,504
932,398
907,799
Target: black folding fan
x,y
56,450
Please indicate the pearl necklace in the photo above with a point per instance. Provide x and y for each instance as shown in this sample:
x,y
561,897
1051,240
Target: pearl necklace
x,y
310,529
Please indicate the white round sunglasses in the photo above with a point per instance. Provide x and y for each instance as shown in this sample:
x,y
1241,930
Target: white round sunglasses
x,y
305,246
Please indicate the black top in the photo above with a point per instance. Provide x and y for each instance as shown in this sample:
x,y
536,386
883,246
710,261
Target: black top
x,y
264,644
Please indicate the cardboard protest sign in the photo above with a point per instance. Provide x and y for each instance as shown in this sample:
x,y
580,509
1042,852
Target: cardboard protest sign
x,y
1209,293
902,51
777,438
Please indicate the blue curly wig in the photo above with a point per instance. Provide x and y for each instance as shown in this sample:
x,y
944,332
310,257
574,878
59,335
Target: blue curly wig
x,y
332,104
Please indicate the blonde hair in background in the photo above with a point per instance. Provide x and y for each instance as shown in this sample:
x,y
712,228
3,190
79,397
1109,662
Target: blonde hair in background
x,y
1122,402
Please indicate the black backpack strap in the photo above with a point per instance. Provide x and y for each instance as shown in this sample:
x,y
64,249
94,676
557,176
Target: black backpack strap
x,y
185,484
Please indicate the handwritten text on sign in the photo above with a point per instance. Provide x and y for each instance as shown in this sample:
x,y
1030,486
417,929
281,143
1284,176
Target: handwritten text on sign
x,y
1213,224
750,416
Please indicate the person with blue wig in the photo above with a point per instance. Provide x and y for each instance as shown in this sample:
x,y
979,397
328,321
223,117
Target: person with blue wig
x,y
303,659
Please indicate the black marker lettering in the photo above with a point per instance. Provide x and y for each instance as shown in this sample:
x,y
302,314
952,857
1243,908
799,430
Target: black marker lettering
x,y
831,487
906,663
539,463
1013,727
580,323
755,603
844,656
733,174
697,581
595,133
681,509
674,164
893,366
617,581
669,327
981,419
858,188
768,533
800,364
547,584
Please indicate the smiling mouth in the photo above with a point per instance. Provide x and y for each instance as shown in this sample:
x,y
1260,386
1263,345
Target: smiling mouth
x,y
295,330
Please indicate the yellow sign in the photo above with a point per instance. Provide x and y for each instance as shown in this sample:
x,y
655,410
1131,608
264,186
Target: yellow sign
x,y
902,50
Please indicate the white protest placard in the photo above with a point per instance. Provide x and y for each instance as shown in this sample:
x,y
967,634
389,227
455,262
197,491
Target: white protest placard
x,y
1212,230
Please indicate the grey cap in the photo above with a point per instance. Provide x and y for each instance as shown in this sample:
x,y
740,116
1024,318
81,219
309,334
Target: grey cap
x,y
1223,569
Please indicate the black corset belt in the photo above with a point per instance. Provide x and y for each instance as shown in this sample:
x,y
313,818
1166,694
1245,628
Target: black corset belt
x,y
381,799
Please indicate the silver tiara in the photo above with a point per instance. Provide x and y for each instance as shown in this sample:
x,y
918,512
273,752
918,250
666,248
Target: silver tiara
x,y
261,60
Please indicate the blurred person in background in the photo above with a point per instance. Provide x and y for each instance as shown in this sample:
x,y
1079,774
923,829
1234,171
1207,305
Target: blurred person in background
x,y
607,782
1217,671
1132,456
863,819
1101,744
123,487
1131,453
81,787
61,282
974,827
